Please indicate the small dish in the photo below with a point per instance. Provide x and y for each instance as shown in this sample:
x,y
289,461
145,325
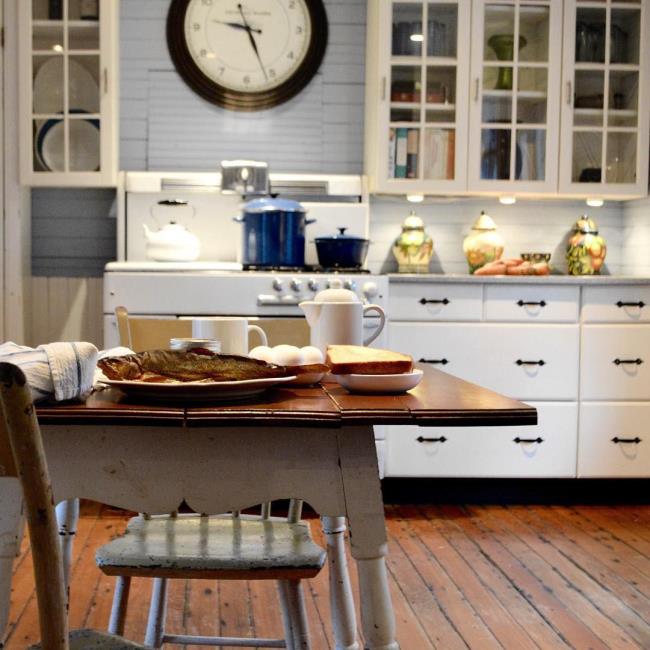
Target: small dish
x,y
381,384
536,257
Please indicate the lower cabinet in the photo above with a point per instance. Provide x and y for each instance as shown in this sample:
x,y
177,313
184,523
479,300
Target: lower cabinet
x,y
614,439
547,450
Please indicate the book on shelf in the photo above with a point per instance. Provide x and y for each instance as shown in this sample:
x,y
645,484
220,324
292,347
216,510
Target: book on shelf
x,y
440,154
400,152
391,153
412,146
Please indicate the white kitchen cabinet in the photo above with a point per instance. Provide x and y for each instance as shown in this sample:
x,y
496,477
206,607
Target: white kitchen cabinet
x,y
604,133
68,92
545,450
614,439
532,303
436,302
621,304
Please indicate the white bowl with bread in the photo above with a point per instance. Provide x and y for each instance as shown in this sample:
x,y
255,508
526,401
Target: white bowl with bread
x,y
370,370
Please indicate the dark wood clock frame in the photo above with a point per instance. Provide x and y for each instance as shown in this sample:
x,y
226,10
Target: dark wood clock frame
x,y
237,100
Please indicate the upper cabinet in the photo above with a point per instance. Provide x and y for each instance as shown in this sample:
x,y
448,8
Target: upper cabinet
x,y
68,92
605,116
507,97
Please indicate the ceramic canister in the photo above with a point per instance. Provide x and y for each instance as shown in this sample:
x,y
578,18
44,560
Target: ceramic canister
x,y
483,244
586,249
413,249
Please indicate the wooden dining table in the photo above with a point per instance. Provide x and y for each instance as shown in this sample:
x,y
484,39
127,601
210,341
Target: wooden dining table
x,y
312,443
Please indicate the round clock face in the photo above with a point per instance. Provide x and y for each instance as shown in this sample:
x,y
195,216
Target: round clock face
x,y
247,54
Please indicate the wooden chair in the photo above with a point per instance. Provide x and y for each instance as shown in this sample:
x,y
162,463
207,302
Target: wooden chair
x,y
225,547
19,430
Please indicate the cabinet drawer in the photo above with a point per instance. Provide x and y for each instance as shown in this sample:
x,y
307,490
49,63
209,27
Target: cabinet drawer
x,y
614,439
532,303
432,302
488,451
521,361
625,304
615,362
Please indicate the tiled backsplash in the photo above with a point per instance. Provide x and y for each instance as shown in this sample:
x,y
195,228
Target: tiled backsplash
x,y
635,238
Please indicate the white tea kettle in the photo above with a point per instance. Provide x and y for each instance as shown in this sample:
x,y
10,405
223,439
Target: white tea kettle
x,y
172,243
335,317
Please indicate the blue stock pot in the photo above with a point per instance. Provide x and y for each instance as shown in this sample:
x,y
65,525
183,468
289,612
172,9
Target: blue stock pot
x,y
274,232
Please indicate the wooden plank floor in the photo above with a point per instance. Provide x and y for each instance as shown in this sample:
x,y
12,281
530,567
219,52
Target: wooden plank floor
x,y
475,577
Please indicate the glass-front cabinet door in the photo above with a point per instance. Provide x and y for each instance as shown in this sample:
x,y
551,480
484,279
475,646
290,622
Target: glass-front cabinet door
x,y
68,92
416,136
515,83
604,144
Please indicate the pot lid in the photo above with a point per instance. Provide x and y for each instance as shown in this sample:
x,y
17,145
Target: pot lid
x,y
340,237
413,222
268,204
484,222
336,293
586,226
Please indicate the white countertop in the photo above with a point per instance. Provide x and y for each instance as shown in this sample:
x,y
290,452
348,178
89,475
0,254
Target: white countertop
x,y
588,280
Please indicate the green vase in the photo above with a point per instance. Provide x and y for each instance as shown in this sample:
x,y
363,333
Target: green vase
x,y
504,47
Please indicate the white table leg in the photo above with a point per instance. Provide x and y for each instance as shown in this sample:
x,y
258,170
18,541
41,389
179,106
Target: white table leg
x,y
344,619
365,511
67,516
10,538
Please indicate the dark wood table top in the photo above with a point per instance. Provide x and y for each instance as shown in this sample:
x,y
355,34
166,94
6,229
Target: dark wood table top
x,y
439,400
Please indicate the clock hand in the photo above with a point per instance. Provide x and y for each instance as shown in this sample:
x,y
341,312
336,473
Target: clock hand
x,y
251,38
238,26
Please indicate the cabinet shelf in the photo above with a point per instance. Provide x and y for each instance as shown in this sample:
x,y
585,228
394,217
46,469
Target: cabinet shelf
x,y
443,108
522,94
426,60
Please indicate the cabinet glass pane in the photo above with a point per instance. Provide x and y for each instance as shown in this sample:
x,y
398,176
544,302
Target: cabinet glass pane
x,y
530,155
621,158
442,29
588,98
495,154
83,81
439,151
406,83
590,35
623,98
83,9
587,156
499,28
534,30
531,95
47,9
407,29
48,36
404,114
625,36
47,96
441,85
497,108
403,149
498,78
84,144
38,132
84,36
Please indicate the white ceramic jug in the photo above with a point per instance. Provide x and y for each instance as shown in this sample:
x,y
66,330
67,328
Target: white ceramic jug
x,y
335,317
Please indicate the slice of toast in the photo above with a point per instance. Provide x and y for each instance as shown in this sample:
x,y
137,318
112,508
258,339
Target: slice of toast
x,y
359,360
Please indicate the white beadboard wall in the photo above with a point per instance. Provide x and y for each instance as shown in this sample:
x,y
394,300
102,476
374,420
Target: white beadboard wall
x,y
636,238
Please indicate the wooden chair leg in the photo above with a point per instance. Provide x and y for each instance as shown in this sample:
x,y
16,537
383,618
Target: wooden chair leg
x,y
120,604
298,615
157,614
344,620
287,621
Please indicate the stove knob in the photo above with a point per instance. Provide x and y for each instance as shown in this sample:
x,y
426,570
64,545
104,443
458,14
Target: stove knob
x,y
369,290
335,283
313,285
350,284
296,285
278,285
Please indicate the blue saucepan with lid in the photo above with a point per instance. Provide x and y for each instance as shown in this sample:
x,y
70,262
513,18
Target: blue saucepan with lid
x,y
341,251
274,232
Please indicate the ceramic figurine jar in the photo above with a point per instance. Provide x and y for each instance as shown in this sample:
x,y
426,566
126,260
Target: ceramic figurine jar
x,y
413,249
587,249
483,244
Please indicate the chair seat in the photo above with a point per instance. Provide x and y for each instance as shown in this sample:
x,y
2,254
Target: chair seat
x,y
191,546
86,639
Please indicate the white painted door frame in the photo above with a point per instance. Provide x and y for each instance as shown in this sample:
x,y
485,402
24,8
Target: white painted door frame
x,y
15,240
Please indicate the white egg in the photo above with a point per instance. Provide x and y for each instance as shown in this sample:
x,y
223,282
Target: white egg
x,y
287,355
312,354
262,352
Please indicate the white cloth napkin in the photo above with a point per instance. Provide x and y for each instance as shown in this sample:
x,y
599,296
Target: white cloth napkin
x,y
61,370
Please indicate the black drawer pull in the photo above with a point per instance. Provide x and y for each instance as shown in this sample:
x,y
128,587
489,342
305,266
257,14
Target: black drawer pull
x,y
636,362
620,303
521,362
442,362
519,440
441,439
433,301
531,303
626,441
172,202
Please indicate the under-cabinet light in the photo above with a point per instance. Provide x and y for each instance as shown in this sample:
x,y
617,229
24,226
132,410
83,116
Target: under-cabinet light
x,y
508,200
595,203
415,198
57,48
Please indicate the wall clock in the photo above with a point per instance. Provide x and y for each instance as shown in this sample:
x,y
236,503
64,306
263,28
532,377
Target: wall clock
x,y
247,55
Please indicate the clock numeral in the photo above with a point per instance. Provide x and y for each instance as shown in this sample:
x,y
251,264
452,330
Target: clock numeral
x,y
221,70
206,3
299,30
291,55
203,53
247,79
292,4
272,73
196,27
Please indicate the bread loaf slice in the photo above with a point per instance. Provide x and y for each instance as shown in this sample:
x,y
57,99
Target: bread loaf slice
x,y
359,360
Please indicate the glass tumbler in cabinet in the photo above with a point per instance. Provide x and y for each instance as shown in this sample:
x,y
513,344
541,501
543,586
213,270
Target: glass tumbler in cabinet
x,y
604,144
515,87
417,102
67,98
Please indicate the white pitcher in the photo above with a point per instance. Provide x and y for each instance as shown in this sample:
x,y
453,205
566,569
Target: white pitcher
x,y
335,317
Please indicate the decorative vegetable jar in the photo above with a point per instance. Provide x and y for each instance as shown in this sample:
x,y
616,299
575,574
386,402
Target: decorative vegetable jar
x,y
413,249
483,244
587,249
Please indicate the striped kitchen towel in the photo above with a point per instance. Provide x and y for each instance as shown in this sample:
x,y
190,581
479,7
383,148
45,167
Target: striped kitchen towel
x,y
61,370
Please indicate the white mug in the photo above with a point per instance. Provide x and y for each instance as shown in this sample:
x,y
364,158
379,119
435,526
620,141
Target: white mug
x,y
231,331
